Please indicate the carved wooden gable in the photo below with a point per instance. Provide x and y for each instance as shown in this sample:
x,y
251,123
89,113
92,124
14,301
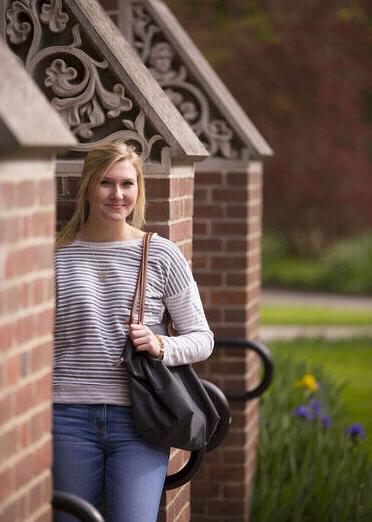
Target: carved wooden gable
x,y
92,77
20,103
189,81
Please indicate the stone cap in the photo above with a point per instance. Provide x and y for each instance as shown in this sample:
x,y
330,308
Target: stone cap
x,y
27,120
192,68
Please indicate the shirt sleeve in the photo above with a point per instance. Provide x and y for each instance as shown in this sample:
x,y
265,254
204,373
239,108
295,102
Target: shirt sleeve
x,y
194,340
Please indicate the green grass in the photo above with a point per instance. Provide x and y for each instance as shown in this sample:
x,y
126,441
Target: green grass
x,y
313,315
292,273
346,361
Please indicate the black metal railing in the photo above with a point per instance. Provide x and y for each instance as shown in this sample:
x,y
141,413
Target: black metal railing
x,y
76,506
267,364
220,400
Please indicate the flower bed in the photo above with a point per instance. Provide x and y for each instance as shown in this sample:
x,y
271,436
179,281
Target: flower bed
x,y
312,462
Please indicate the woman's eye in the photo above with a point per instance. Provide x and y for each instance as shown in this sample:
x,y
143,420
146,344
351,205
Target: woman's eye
x,y
105,182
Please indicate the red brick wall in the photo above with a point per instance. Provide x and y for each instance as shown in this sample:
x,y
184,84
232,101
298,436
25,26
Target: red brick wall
x,y
169,212
27,225
226,261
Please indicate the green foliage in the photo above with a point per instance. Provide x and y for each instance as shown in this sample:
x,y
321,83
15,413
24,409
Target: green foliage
x,y
274,247
343,268
352,13
346,361
281,268
300,71
307,471
347,266
291,272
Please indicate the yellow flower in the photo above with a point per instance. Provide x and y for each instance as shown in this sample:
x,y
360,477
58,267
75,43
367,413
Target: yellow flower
x,y
308,381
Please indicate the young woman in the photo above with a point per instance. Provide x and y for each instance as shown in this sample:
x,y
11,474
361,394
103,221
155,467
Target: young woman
x,y
97,453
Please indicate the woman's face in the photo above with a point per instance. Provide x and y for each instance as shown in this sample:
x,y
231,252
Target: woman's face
x,y
114,198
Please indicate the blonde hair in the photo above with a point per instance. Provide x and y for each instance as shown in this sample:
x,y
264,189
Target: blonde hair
x,y
97,163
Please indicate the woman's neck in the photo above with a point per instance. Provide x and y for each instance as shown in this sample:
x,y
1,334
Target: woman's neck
x,y
122,232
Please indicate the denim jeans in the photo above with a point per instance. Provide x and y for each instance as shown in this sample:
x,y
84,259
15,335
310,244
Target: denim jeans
x,y
98,455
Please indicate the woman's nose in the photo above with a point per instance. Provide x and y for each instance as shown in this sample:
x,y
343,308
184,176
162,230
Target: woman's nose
x,y
116,192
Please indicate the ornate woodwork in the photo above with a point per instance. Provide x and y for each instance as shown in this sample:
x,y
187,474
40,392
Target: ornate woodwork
x,y
70,69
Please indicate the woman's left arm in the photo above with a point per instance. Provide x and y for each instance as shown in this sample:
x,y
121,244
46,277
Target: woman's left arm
x,y
194,340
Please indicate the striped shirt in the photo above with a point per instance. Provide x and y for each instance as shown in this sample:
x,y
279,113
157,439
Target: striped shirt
x,y
91,315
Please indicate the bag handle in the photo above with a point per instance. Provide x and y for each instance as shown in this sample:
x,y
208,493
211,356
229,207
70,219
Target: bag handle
x,y
140,293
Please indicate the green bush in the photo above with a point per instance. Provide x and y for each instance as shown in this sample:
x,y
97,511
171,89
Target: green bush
x,y
347,266
293,273
274,247
343,268
309,468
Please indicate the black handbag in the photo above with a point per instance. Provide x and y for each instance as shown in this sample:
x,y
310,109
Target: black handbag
x,y
171,407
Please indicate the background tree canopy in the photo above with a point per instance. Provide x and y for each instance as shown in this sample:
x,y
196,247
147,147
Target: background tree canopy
x,y
302,72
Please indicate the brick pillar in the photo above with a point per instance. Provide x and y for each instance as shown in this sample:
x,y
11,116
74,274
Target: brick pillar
x,y
27,231
169,212
226,261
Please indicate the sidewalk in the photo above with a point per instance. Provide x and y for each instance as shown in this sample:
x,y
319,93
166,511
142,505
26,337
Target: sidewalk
x,y
285,297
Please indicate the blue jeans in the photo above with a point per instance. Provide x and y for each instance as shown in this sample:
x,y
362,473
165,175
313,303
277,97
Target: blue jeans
x,y
98,455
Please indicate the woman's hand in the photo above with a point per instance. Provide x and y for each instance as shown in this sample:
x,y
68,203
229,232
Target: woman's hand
x,y
144,339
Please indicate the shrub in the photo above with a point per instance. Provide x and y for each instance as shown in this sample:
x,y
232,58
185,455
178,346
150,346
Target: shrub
x,y
347,266
274,247
312,464
343,268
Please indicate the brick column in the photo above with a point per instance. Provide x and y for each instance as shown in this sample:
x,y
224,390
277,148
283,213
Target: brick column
x,y
27,231
226,261
169,212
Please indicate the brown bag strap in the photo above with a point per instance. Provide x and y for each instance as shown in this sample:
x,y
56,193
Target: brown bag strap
x,y
140,293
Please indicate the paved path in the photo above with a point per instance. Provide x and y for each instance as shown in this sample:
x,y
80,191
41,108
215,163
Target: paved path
x,y
275,297
271,333
315,299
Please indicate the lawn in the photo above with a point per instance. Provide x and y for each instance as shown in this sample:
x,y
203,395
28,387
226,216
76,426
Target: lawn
x,y
348,361
314,315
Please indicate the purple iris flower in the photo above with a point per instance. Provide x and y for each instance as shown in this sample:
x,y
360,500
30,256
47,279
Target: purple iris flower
x,y
301,411
315,406
314,409
356,431
326,421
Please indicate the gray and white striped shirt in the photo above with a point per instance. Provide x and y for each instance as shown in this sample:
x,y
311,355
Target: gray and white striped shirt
x,y
91,328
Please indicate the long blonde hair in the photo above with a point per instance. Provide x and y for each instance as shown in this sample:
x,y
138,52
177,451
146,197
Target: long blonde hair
x,y
96,164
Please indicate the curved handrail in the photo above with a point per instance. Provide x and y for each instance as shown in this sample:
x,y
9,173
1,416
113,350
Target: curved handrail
x,y
265,355
76,506
186,473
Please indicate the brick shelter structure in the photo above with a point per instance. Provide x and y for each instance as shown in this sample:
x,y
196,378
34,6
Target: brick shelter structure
x,y
121,85
28,148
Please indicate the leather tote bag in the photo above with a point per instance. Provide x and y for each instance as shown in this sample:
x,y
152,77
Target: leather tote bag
x,y
171,407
